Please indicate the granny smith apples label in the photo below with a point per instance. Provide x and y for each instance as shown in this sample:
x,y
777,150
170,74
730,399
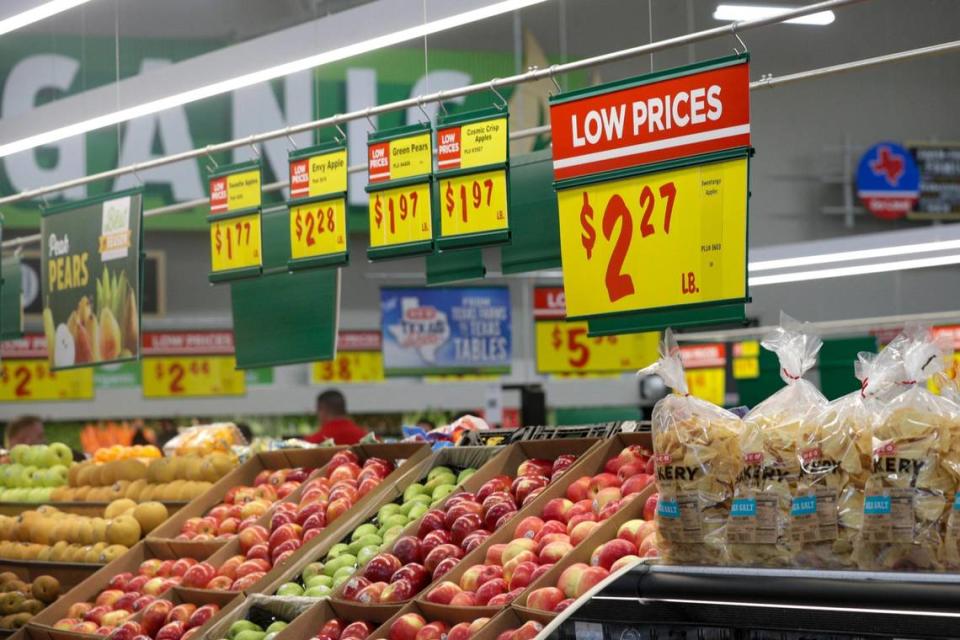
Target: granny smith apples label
x,y
90,280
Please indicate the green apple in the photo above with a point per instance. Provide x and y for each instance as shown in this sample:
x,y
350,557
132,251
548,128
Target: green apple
x,y
466,473
242,625
318,581
277,626
320,591
18,452
442,491
388,510
38,495
46,458
63,453
311,570
290,589
363,557
417,511
362,530
436,471
59,475
337,549
415,489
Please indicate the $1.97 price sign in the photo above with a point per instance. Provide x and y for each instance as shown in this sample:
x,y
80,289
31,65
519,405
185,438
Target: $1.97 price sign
x,y
401,215
235,199
192,376
659,240
474,203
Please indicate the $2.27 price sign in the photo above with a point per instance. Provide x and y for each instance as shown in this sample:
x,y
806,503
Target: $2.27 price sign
x,y
659,240
192,376
564,347
400,215
235,243
26,380
474,203
317,229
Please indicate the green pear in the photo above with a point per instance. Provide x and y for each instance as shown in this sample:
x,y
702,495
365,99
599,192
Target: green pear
x,y
242,625
277,626
363,557
442,492
362,530
318,581
466,473
388,510
415,489
397,519
417,511
440,481
436,471
319,591
311,571
337,549
290,589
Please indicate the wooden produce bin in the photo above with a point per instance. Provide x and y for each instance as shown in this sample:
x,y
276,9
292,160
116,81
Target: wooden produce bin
x,y
506,461
590,463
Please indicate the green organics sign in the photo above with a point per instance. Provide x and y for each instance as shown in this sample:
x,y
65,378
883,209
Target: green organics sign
x,y
90,280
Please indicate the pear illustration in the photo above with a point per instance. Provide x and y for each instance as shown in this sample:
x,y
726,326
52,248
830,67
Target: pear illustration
x,y
131,320
110,338
49,331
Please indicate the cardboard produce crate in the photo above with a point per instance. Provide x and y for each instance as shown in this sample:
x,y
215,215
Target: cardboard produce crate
x,y
241,475
451,617
458,458
506,462
309,623
88,589
257,608
508,618
589,464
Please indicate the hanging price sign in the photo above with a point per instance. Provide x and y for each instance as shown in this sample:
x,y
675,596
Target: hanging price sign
x,y
190,364
652,189
26,376
472,161
359,359
705,371
318,219
399,171
235,240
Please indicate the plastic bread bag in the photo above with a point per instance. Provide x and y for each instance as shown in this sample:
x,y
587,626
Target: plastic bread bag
x,y
907,492
204,439
773,513
697,460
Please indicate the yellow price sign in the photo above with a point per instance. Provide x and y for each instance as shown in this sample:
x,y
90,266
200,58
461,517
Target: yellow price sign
x,y
564,347
349,366
319,175
708,384
318,229
400,215
474,144
474,203
235,243
659,240
33,380
406,157
192,376
235,191
746,368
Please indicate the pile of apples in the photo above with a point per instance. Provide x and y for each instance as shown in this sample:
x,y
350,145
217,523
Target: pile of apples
x,y
320,579
163,620
126,594
527,631
337,629
541,541
244,505
413,626
445,534
324,499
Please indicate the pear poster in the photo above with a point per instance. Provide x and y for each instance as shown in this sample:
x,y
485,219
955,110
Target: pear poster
x,y
90,280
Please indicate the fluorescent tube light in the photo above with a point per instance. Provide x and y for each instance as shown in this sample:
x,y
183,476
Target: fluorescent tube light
x,y
857,270
38,13
263,75
738,12
847,256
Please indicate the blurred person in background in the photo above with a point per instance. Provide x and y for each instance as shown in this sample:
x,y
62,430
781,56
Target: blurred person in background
x,y
24,430
333,421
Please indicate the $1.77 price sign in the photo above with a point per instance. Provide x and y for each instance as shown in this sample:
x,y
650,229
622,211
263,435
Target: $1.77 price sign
x,y
663,239
29,380
192,376
400,215
235,198
235,243
317,229
564,347
474,203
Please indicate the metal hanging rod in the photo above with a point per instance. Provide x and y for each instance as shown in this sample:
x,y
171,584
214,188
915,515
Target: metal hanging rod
x,y
440,96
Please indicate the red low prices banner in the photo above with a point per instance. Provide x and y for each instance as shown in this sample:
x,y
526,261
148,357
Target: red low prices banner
x,y
659,120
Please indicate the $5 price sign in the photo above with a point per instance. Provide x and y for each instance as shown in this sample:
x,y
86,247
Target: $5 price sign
x,y
564,347
317,229
25,380
474,203
175,377
400,215
659,240
235,243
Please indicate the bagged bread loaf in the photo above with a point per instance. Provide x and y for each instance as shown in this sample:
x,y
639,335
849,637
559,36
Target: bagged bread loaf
x,y
697,458
907,492
775,509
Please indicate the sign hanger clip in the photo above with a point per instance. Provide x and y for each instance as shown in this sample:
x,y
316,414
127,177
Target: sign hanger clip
x,y
253,147
341,136
366,114
136,174
553,77
440,104
503,101
213,162
290,139
743,44
422,110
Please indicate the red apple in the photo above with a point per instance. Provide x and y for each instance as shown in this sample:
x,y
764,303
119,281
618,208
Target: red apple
x,y
337,508
561,464
475,539
464,526
156,586
516,546
579,489
512,564
581,530
528,527
605,495
229,566
609,552
433,540
126,601
170,631
108,597
95,614
489,589
286,489
555,551
142,602
136,583
460,508
414,573
623,561
469,578
78,610
154,616
114,618
198,575
284,550
221,583
370,594
406,627
443,593
432,520
545,598
407,549
287,531
497,483
439,554
535,467
258,552
202,615
381,567
528,630
353,586
252,535
181,612
542,569
563,604
557,509
494,554
522,574
464,599
433,631
522,486
252,566
590,577
445,566
129,630
650,507
358,630
496,513
247,581
398,590
460,631
119,581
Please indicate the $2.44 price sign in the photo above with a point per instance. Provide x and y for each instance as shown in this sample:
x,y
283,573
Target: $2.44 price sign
x,y
317,229
26,380
235,243
564,347
474,203
192,376
400,215
659,240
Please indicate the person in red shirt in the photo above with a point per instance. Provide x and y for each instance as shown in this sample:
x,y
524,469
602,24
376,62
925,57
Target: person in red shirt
x,y
334,422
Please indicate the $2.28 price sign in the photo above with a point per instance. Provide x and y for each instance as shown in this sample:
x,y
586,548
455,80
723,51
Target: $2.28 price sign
x,y
474,203
659,240
175,377
25,380
235,243
400,215
317,229
564,347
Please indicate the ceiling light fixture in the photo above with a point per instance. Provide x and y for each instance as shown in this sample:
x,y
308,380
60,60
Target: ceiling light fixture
x,y
736,12
263,75
849,256
38,13
856,270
